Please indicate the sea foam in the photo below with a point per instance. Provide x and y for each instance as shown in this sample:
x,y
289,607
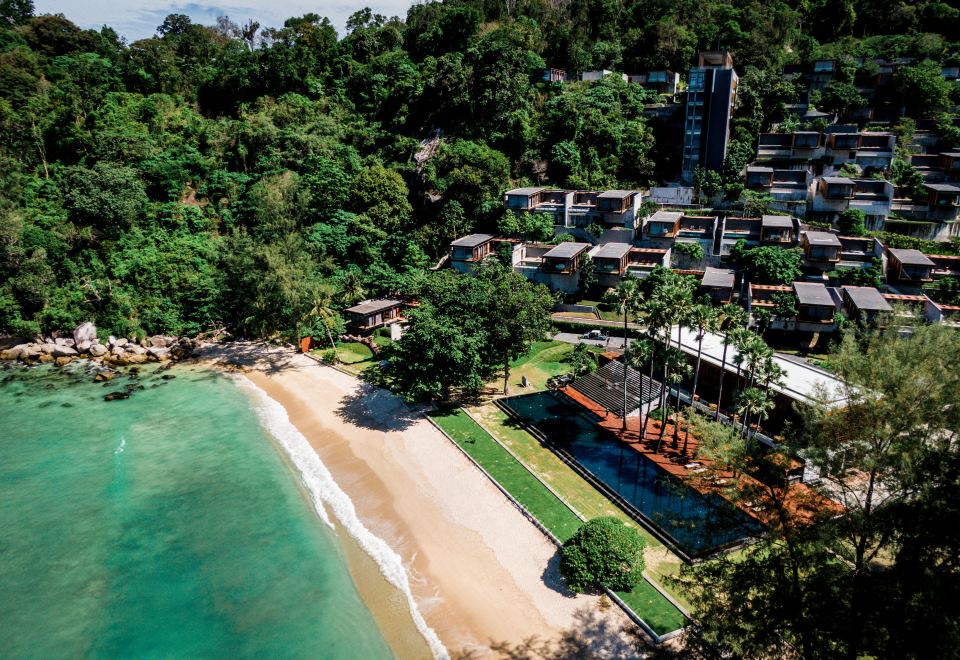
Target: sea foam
x,y
324,491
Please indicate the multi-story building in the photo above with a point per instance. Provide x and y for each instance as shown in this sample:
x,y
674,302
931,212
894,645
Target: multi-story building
x,y
821,250
711,95
868,149
578,208
468,251
787,187
779,230
748,230
832,195
661,81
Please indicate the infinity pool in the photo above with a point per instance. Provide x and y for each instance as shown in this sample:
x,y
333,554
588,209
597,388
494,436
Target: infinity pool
x,y
696,523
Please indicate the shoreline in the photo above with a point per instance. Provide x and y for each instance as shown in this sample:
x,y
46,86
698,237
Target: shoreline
x,y
478,571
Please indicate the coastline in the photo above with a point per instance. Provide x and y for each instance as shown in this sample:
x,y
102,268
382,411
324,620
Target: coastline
x,y
479,572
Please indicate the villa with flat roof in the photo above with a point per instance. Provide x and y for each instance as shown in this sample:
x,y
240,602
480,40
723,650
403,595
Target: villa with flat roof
x,y
372,314
718,283
908,266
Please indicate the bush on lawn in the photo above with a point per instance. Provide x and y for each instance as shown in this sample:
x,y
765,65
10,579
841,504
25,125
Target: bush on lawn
x,y
603,553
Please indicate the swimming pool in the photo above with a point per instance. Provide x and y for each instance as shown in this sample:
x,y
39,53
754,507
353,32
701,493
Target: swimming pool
x,y
697,524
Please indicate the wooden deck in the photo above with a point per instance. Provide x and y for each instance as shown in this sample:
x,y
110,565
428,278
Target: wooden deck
x,y
801,504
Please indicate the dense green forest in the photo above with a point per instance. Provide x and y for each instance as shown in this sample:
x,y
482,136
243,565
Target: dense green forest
x,y
260,179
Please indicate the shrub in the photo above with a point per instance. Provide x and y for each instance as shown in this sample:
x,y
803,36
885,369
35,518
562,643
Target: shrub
x,y
603,553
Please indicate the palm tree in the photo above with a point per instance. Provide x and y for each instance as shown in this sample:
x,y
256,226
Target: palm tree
x,y
703,319
641,350
626,299
753,400
675,369
735,317
351,288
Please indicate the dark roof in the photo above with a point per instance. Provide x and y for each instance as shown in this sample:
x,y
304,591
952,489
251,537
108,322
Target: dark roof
x,y
838,180
910,257
942,187
473,240
526,192
822,238
813,293
759,168
373,306
867,298
566,250
778,221
718,277
605,387
616,194
612,251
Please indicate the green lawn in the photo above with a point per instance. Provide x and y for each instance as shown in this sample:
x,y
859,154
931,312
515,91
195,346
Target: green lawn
x,y
659,613
543,360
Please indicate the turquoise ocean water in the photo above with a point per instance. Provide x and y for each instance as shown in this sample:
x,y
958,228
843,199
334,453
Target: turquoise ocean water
x,y
165,525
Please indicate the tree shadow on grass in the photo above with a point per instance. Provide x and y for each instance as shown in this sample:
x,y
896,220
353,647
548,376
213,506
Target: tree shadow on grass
x,y
376,409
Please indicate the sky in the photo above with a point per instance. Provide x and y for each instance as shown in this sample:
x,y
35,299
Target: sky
x,y
137,19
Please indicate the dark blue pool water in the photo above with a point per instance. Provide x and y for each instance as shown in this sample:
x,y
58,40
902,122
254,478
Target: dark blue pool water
x,y
697,524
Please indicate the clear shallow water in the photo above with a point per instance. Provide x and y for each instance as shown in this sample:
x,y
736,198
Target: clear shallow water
x,y
698,524
163,525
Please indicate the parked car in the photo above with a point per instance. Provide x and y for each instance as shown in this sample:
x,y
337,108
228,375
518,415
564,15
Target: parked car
x,y
598,335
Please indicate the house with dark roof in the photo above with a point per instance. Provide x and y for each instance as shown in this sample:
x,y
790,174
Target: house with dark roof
x,y
778,230
718,283
944,265
610,262
908,266
748,230
468,251
864,303
372,314
816,307
821,249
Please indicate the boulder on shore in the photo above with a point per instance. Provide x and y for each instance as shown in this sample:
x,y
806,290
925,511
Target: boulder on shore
x,y
104,376
63,361
85,332
64,341
48,347
98,350
160,341
64,351
46,358
159,353
83,347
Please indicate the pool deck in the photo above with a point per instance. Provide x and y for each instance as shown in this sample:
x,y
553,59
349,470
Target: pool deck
x,y
801,504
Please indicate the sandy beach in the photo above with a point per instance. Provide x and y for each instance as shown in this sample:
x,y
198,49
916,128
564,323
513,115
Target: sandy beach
x,y
480,572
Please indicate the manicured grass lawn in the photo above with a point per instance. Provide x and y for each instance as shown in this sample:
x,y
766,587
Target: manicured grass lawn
x,y
354,351
544,360
645,600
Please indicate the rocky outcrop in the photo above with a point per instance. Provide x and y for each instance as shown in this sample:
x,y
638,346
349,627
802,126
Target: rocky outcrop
x,y
85,344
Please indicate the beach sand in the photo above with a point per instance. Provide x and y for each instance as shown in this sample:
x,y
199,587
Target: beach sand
x,y
480,571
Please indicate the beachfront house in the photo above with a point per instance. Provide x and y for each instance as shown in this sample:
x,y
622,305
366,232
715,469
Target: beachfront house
x,y
372,314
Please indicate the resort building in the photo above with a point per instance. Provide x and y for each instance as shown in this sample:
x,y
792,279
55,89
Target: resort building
x,y
778,230
735,230
864,303
611,261
467,252
711,96
557,266
661,227
867,149
718,283
816,307
644,260
821,249
908,266
605,387
661,81
859,251
832,195
788,188
944,265
578,208
372,314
